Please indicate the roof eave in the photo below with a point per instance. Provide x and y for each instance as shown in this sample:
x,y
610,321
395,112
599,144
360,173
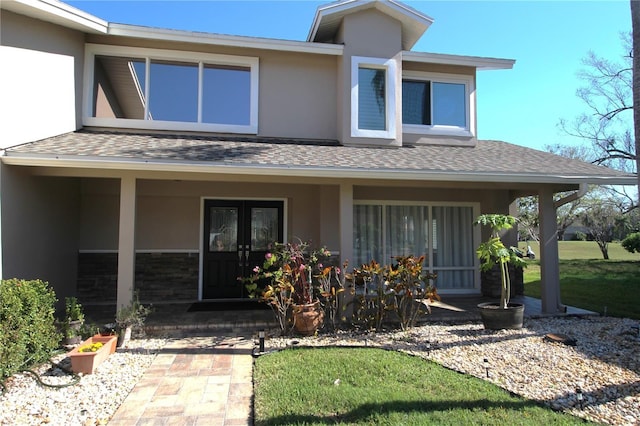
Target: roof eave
x,y
477,62
58,13
150,33
135,164
414,22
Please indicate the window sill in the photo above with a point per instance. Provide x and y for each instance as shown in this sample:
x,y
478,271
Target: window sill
x,y
169,125
416,129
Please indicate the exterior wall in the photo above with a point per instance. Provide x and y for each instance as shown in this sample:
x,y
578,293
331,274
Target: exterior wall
x,y
369,34
39,229
168,227
65,230
169,212
297,96
46,59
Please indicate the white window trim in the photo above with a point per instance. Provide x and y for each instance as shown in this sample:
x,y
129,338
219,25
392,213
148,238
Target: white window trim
x,y
91,50
390,67
430,255
440,130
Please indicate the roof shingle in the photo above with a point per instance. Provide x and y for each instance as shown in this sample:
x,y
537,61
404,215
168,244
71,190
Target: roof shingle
x,y
492,158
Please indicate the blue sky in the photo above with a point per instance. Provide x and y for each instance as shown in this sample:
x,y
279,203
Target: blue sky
x,y
548,40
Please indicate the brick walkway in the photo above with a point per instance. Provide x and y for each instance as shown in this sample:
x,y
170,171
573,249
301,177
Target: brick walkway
x,y
194,380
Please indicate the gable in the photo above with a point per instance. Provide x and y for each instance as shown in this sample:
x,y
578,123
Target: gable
x,y
329,19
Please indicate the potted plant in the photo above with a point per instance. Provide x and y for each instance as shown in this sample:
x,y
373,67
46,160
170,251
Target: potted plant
x,y
73,312
130,317
70,336
332,285
288,287
493,252
91,353
73,321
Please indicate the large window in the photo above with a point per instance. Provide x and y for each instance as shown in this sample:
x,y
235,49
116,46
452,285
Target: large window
x,y
444,234
373,105
436,104
158,89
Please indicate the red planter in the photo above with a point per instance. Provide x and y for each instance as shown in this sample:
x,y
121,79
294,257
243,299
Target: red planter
x,y
87,362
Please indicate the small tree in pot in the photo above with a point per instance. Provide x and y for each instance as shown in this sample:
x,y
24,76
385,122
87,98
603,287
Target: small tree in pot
x,y
493,252
285,283
130,317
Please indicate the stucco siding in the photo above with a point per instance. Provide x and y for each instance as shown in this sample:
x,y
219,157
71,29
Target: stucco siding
x,y
39,229
297,96
45,82
168,213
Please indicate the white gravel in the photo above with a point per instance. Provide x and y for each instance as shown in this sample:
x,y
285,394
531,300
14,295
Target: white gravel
x,y
92,401
605,363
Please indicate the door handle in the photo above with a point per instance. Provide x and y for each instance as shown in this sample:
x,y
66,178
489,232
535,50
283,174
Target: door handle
x,y
240,263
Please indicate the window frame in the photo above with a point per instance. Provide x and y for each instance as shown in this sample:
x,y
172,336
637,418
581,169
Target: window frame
x,y
149,54
430,255
391,71
438,129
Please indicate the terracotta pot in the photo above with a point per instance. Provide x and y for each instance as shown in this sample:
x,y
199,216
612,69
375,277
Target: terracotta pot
x,y
87,362
307,319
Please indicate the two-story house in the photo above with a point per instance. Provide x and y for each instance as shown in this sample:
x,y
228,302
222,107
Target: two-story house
x,y
167,161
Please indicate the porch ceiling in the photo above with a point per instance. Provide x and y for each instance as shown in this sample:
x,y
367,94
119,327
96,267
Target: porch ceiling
x,y
487,161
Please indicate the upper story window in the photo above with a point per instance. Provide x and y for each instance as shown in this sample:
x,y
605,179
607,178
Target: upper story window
x,y
158,89
437,104
373,106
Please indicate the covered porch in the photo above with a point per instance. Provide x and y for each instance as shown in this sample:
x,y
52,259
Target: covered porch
x,y
170,317
139,203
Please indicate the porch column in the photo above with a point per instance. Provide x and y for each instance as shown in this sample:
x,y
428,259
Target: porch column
x,y
549,266
346,223
126,241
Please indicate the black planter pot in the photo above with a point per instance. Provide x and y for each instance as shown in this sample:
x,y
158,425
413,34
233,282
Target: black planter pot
x,y
69,341
496,318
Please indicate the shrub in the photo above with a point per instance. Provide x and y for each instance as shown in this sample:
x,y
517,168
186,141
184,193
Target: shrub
x,y
27,322
632,243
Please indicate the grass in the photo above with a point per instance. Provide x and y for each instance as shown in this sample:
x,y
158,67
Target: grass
x,y
574,250
587,281
379,387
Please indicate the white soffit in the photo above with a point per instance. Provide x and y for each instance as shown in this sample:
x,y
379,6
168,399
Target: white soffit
x,y
477,62
57,12
125,30
328,18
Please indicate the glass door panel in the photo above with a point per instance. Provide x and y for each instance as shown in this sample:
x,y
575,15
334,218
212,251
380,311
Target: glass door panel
x,y
264,227
237,235
223,229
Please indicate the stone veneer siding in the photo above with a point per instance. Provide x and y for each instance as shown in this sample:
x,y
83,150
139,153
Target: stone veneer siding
x,y
160,277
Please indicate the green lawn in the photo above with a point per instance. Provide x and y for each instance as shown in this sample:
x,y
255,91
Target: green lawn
x,y
571,250
587,281
378,387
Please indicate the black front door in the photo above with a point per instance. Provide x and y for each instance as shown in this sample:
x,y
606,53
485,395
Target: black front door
x,y
237,235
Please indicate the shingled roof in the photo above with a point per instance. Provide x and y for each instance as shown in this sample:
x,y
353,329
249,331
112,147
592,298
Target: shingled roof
x,y
490,161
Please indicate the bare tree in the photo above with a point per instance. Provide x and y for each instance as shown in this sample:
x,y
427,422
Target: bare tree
x,y
635,41
608,94
601,218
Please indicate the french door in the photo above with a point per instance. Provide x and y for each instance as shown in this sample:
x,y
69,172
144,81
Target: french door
x,y
237,235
